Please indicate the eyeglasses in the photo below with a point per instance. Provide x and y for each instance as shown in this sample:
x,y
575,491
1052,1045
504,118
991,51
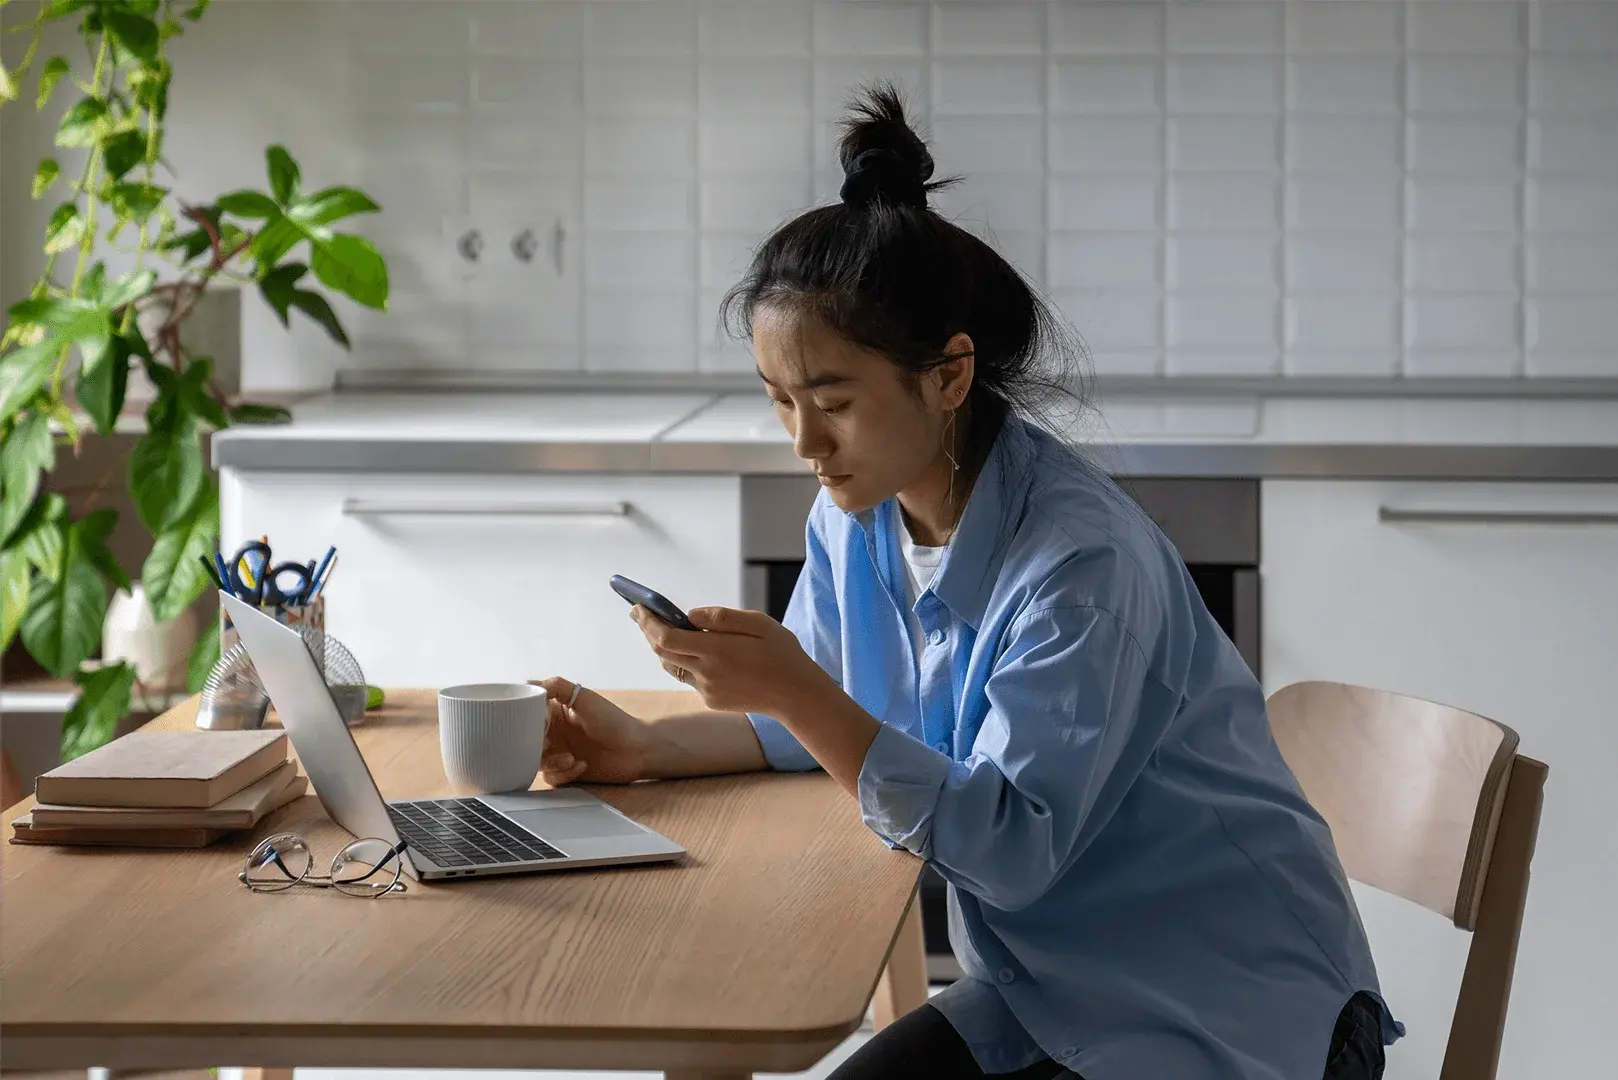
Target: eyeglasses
x,y
368,868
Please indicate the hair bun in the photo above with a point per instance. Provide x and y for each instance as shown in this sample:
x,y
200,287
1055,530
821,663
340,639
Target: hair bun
x,y
883,159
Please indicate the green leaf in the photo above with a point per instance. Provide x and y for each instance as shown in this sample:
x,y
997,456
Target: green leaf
x,y
49,76
279,285
190,244
104,697
284,174
8,85
91,533
55,9
251,413
45,175
173,575
128,287
353,267
150,85
204,655
249,204
331,204
195,396
139,200
26,452
195,11
63,624
42,535
24,372
315,306
123,151
82,123
15,575
95,282
274,240
134,32
101,388
65,228
166,473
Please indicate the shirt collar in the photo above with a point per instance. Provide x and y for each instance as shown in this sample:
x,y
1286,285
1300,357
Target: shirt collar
x,y
971,563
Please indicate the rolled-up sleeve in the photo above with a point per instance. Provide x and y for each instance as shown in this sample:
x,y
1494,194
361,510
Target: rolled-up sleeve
x,y
1057,750
813,618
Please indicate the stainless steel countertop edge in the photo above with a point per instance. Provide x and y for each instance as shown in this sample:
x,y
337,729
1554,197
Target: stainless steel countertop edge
x,y
1345,461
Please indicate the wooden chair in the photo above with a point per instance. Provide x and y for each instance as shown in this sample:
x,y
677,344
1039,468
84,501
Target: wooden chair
x,y
1434,805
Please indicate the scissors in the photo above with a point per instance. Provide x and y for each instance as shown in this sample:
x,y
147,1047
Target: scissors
x,y
263,584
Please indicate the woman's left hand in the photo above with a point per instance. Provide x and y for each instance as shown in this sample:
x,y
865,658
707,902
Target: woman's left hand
x,y
739,661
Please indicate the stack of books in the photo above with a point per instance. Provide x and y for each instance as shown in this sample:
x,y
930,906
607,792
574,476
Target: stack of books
x,y
163,789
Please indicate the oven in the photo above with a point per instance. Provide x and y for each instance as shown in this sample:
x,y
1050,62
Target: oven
x,y
1214,523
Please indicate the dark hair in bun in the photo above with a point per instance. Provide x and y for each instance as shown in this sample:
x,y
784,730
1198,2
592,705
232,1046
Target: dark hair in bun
x,y
884,271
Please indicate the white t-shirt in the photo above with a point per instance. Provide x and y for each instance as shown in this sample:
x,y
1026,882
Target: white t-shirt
x,y
921,563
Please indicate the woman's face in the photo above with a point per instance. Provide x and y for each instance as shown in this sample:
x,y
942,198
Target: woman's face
x,y
851,414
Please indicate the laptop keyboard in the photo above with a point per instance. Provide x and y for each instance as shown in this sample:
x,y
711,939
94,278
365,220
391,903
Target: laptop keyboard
x,y
465,832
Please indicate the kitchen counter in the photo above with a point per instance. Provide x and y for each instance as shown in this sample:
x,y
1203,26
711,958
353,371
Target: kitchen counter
x,y
1423,437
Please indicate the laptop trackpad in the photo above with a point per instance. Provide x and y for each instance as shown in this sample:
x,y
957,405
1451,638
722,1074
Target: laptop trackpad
x,y
562,824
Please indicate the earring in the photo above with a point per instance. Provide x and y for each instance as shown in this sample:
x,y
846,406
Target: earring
x,y
949,441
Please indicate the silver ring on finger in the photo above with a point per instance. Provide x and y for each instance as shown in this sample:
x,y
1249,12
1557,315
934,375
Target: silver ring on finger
x,y
574,697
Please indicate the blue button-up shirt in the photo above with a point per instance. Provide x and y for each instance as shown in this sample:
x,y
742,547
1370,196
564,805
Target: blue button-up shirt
x,y
1137,886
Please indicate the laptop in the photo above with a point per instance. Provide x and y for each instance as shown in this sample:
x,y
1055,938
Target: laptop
x,y
474,836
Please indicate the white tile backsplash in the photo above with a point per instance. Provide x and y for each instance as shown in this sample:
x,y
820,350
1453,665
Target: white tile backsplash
x,y
1113,29
756,28
1224,84
1575,25
1350,143
1224,142
640,85
871,29
1327,262
1104,202
1225,26
1106,143
1224,260
641,27
1309,187
1369,26
989,26
1344,84
1224,201
987,85
1463,262
1466,26
1103,260
1106,84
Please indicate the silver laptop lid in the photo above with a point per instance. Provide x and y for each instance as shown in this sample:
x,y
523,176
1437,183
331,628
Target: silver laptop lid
x,y
313,722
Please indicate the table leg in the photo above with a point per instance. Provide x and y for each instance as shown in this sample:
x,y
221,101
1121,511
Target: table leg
x,y
903,985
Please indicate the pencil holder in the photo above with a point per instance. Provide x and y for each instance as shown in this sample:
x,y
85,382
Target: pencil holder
x,y
311,615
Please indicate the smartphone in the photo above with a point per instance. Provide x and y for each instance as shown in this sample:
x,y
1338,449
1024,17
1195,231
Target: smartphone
x,y
655,602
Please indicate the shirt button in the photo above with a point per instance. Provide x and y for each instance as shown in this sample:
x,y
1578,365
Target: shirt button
x,y
941,747
1007,975
1068,1051
936,637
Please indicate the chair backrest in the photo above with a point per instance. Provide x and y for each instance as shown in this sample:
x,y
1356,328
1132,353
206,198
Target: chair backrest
x,y
1433,804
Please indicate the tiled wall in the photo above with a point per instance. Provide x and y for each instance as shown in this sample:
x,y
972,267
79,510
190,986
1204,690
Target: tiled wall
x,y
1298,187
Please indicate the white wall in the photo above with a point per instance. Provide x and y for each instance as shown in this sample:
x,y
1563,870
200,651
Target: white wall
x,y
1296,187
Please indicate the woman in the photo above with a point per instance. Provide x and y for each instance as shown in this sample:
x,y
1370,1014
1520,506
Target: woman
x,y
1007,664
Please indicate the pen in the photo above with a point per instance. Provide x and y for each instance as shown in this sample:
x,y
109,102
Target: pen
x,y
309,593
224,574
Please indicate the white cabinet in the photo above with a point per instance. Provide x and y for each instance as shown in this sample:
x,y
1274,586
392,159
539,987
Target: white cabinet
x,y
1501,599
449,578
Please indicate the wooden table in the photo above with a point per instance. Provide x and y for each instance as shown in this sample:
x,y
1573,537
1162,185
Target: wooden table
x,y
759,951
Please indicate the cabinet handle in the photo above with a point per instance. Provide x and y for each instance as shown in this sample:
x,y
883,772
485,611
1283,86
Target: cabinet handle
x,y
1394,515
403,508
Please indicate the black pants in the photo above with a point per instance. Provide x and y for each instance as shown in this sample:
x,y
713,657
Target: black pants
x,y
924,1045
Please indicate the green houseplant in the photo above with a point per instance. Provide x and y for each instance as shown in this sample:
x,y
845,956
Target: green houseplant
x,y
70,345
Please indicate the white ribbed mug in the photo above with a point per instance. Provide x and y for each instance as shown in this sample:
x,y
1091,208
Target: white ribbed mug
x,y
492,735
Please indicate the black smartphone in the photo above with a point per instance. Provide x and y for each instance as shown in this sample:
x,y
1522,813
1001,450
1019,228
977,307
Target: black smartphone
x,y
655,602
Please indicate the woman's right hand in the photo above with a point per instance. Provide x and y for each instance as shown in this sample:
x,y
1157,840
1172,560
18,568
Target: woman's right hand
x,y
594,741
